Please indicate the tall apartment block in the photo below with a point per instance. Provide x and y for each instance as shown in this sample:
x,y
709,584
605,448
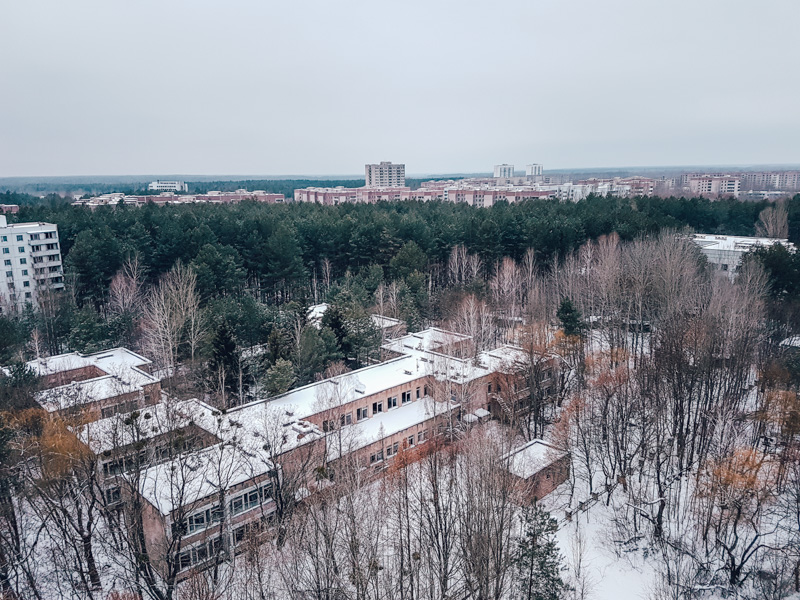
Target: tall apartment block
x,y
31,262
714,185
533,170
504,171
385,174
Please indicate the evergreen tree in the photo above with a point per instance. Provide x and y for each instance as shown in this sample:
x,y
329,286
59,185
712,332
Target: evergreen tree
x,y
88,333
538,563
334,319
225,366
279,377
318,348
570,318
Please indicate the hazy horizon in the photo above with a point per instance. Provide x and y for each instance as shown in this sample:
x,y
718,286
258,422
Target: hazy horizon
x,y
136,177
444,87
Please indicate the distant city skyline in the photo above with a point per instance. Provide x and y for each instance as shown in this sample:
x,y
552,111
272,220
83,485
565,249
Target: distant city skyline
x,y
99,88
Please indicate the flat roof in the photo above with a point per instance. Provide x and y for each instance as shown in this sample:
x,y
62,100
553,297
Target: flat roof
x,y
118,431
734,243
75,360
384,424
383,322
121,375
28,225
305,401
197,475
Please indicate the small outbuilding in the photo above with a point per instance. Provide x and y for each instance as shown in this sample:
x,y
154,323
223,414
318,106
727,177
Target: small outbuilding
x,y
539,467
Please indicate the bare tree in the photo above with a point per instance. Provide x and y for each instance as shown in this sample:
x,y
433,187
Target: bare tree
x,y
173,318
773,222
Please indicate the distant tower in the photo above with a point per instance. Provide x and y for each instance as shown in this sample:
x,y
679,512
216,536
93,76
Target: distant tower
x,y
533,170
385,174
504,171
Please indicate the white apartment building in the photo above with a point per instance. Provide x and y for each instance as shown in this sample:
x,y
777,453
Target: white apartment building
x,y
533,170
504,171
385,174
31,261
714,185
771,180
168,186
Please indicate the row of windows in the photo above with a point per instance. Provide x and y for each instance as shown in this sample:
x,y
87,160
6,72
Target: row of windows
x,y
250,499
212,515
393,449
122,407
377,407
200,554
203,519
48,235
207,550
125,464
159,454
13,297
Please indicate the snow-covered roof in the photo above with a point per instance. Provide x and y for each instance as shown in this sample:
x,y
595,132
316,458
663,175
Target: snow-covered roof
x,y
302,402
198,475
384,322
121,375
314,314
526,461
430,339
93,390
119,431
107,361
793,341
385,424
734,243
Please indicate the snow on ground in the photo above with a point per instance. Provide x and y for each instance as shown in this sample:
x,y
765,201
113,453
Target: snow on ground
x,y
587,544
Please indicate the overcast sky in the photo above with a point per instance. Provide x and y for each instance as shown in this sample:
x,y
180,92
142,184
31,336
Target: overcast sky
x,y
321,87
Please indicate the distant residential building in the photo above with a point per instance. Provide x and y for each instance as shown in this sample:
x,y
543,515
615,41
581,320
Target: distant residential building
x,y
9,209
774,180
725,252
504,171
484,196
163,198
168,186
31,262
385,174
714,185
533,170
343,195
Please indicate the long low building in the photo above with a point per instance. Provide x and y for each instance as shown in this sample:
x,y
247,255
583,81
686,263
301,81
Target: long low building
x,y
725,252
210,477
170,198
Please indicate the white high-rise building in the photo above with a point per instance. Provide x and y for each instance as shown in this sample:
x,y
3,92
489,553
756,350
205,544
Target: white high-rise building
x,y
533,170
385,174
714,185
504,171
31,261
168,186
